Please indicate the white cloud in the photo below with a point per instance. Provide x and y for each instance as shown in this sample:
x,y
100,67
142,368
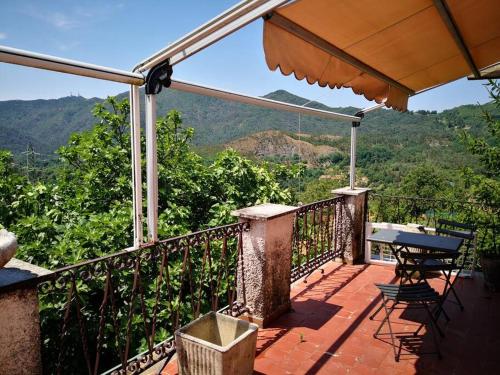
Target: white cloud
x,y
3,36
56,19
61,21
73,17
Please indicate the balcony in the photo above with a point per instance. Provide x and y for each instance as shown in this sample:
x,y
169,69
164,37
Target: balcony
x,y
313,293
329,332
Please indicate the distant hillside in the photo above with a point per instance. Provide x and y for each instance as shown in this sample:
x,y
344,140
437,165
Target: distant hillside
x,y
274,143
47,124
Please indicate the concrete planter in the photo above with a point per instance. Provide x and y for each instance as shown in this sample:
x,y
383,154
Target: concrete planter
x,y
216,344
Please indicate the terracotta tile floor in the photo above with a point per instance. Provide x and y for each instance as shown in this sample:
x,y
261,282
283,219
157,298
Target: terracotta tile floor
x,y
328,331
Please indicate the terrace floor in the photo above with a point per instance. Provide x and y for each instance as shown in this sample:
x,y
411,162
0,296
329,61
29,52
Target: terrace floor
x,y
328,331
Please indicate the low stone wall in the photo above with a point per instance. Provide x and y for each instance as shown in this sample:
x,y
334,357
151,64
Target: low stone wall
x,y
20,346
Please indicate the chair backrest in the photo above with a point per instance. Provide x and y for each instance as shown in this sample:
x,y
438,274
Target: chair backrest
x,y
460,230
455,229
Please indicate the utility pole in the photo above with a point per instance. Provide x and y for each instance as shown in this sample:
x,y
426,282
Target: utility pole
x,y
30,161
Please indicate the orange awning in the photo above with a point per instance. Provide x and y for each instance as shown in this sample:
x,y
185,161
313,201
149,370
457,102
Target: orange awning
x,y
386,50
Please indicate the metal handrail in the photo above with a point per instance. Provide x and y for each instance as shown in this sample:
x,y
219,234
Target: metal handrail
x,y
100,301
317,236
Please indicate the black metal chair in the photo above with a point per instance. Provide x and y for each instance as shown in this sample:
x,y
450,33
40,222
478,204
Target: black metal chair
x,y
418,294
460,230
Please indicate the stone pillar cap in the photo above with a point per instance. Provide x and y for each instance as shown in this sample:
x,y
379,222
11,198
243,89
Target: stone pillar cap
x,y
18,272
348,191
266,211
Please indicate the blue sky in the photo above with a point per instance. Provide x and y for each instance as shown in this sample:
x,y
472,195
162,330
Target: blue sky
x,y
119,34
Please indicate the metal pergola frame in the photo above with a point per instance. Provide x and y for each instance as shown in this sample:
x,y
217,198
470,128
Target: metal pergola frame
x,y
159,68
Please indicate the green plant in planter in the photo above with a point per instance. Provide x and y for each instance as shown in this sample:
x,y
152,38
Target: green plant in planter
x,y
484,186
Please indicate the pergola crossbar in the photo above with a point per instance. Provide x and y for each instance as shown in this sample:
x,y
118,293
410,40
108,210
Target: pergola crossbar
x,y
258,101
57,64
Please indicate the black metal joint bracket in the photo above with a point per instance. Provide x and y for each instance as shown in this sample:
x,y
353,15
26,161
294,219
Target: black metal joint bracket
x,y
361,115
158,77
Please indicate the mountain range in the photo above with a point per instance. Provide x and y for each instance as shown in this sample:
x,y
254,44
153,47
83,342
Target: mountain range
x,y
47,124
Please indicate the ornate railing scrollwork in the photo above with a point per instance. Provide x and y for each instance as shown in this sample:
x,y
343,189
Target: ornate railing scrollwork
x,y
316,236
120,311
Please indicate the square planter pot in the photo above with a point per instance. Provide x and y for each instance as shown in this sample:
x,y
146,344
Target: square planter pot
x,y
216,344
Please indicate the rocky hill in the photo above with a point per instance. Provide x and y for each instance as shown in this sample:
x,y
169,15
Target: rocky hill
x,y
275,143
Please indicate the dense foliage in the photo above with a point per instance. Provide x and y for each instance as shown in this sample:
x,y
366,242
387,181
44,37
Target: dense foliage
x,y
484,184
85,210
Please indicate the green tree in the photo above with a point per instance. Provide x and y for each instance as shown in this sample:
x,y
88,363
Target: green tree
x,y
95,164
424,181
485,185
86,211
11,181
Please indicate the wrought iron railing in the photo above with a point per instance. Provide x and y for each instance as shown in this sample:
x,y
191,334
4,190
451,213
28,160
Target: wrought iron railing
x,y
317,236
426,212
120,311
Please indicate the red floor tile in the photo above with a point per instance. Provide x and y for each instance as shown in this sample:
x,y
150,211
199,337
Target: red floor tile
x,y
329,330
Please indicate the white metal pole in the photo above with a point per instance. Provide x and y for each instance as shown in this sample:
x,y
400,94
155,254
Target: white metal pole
x,y
152,168
352,170
372,108
57,64
135,142
195,88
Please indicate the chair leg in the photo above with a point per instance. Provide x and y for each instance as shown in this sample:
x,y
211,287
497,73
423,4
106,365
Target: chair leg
x,y
459,302
434,319
440,309
388,313
450,287
372,316
377,331
434,325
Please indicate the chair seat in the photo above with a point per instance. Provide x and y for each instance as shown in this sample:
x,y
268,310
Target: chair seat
x,y
409,293
434,263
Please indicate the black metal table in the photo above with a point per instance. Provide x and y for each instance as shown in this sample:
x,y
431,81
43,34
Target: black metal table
x,y
398,240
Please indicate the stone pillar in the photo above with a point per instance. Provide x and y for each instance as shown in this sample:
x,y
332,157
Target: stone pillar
x,y
20,346
352,220
263,280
